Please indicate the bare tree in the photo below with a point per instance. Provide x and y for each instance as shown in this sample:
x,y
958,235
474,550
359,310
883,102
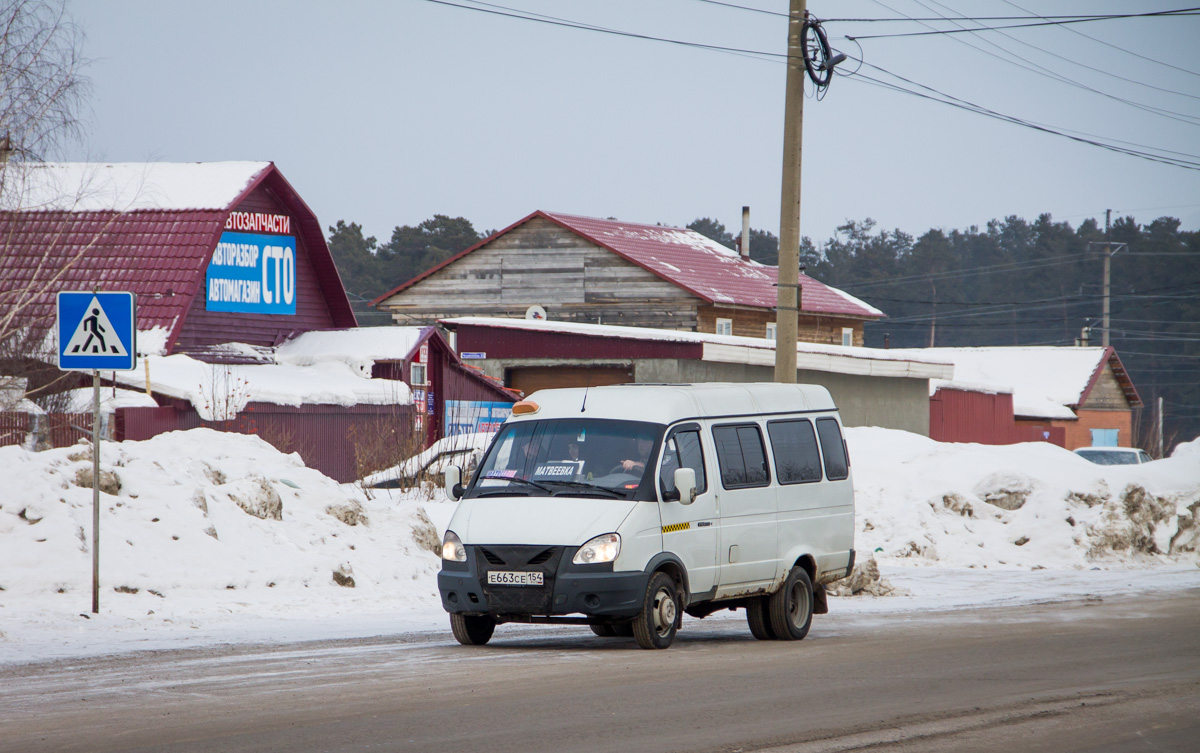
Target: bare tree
x,y
42,91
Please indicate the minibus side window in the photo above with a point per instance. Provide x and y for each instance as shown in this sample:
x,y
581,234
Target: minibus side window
x,y
683,451
832,448
794,446
741,456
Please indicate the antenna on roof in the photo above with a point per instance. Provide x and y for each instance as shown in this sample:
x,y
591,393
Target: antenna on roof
x,y
583,407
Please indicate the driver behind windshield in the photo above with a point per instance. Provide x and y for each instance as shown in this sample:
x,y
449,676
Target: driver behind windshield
x,y
636,465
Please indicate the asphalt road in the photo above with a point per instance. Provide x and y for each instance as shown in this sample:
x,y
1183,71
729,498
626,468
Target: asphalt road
x,y
1091,675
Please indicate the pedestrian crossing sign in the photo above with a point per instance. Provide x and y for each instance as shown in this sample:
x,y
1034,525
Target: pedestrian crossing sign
x,y
97,331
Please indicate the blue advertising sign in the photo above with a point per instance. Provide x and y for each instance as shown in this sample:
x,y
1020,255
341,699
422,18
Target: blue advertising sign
x,y
97,331
252,274
470,416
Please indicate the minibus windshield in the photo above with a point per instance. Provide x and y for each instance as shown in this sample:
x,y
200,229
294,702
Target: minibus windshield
x,y
582,457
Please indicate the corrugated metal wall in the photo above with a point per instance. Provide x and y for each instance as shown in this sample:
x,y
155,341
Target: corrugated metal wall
x,y
962,416
336,440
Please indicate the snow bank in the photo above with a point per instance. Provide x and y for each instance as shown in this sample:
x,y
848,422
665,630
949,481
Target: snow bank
x,y
209,537
1032,506
202,523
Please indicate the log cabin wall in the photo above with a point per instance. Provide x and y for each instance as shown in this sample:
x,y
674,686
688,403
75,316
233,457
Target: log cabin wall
x,y
542,263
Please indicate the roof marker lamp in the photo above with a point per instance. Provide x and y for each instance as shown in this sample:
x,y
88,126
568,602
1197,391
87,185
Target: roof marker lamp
x,y
525,407
604,548
453,549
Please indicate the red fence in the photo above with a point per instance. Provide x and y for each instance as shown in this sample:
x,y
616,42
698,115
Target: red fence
x,y
334,439
15,428
51,429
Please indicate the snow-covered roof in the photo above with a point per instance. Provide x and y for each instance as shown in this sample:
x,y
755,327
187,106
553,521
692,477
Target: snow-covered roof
x,y
1045,381
749,350
360,347
122,186
219,392
111,398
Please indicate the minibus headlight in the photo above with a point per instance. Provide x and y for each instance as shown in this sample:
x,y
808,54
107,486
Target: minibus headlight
x,y
453,549
600,549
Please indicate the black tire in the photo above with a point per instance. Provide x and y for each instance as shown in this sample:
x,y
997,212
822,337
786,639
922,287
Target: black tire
x,y
604,631
471,630
655,625
623,630
791,607
760,621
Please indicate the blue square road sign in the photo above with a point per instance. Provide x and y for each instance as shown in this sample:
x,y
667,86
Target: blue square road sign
x,y
97,331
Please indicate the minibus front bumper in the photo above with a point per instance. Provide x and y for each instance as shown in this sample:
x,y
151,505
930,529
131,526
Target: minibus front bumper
x,y
566,588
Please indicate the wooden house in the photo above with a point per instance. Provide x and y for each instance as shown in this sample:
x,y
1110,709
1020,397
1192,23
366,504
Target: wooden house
x,y
586,270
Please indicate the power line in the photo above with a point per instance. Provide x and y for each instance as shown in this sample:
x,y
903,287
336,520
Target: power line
x,y
759,54
1064,79
1162,13
962,104
1106,44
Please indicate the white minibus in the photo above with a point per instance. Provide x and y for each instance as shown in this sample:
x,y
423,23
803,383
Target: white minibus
x,y
622,507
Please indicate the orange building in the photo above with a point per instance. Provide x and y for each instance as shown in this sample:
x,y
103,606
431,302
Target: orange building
x,y
1073,396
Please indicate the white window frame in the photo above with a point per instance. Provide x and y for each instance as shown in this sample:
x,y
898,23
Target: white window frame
x,y
417,375
772,331
848,337
725,327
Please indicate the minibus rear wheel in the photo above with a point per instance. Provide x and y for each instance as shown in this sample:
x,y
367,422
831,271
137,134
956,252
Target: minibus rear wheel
x,y
471,630
791,607
655,625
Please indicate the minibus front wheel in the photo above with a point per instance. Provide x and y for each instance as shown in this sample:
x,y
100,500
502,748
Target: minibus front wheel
x,y
472,630
655,625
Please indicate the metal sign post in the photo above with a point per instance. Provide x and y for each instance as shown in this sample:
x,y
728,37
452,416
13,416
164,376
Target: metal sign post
x,y
96,331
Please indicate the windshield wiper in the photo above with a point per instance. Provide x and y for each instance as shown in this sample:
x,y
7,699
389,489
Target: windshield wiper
x,y
590,487
516,480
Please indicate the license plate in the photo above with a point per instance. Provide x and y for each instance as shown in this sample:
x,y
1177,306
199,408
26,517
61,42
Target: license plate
x,y
514,578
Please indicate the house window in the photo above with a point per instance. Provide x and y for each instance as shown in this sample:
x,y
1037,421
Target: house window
x,y
1105,437
724,326
416,373
847,336
771,328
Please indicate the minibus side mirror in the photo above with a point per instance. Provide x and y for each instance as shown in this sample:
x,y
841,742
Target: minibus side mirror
x,y
685,485
453,483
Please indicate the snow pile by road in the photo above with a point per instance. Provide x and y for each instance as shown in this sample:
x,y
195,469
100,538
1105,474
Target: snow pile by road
x,y
1028,506
199,523
209,537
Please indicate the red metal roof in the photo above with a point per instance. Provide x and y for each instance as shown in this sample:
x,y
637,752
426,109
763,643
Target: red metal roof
x,y
690,260
706,268
158,254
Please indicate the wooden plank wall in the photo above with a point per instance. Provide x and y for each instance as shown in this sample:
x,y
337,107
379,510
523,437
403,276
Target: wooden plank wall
x,y
753,323
1107,393
544,264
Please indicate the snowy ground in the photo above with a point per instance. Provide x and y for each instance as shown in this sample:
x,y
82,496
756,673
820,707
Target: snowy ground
x,y
211,538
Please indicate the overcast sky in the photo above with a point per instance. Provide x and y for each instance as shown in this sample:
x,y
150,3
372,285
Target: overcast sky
x,y
385,113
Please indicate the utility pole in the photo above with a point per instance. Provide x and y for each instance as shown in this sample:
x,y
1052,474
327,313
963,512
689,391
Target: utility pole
x,y
1162,450
1107,269
787,308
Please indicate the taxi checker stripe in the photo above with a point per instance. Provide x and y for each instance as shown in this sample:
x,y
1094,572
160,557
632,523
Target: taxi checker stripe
x,y
676,527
